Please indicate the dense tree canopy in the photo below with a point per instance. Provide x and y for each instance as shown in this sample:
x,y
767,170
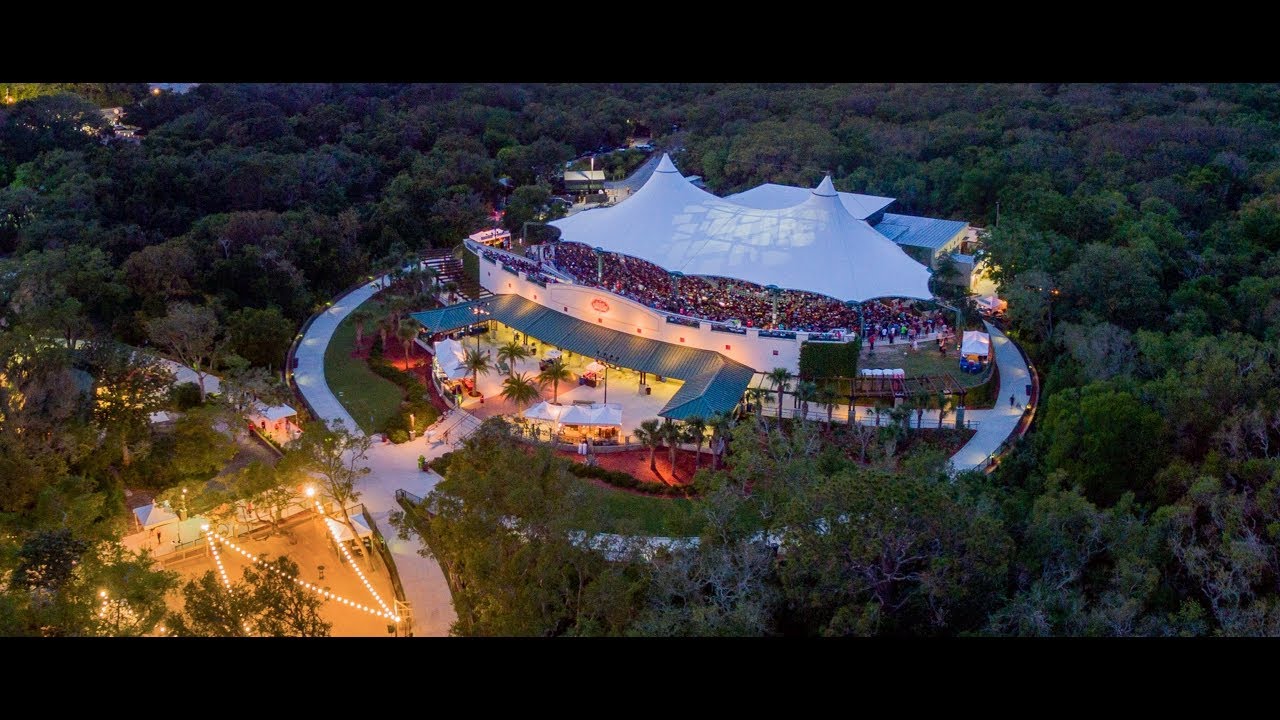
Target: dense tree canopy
x,y
1134,230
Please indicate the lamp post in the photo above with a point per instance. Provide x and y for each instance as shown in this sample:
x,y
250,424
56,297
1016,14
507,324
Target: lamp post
x,y
773,299
607,358
479,311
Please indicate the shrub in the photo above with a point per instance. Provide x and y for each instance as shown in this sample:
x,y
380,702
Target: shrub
x,y
375,350
185,396
623,480
441,464
398,436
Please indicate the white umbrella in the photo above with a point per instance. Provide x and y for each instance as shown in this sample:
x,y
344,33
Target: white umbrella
x,y
595,367
552,354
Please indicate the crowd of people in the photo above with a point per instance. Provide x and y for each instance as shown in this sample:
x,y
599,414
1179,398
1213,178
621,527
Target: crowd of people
x,y
726,300
528,267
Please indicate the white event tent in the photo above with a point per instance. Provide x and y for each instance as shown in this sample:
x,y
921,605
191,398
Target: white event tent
x,y
449,356
975,342
814,245
597,414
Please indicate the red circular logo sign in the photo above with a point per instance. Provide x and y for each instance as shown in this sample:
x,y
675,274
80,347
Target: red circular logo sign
x,y
600,305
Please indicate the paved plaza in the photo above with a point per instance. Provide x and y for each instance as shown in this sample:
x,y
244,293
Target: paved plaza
x,y
308,544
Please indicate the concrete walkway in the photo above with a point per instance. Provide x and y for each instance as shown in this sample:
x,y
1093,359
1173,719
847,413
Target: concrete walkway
x,y
392,467
996,424
310,356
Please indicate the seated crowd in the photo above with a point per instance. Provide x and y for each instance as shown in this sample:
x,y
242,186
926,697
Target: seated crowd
x,y
725,299
528,267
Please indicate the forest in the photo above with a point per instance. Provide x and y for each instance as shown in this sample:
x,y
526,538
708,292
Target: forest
x,y
1135,229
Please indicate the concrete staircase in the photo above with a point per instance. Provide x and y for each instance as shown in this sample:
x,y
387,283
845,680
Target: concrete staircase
x,y
450,269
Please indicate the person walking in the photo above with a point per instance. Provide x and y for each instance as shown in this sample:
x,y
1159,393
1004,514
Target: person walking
x,y
446,437
1011,401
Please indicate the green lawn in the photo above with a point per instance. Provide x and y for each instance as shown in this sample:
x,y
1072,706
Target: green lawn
x,y
371,400
471,265
925,361
640,515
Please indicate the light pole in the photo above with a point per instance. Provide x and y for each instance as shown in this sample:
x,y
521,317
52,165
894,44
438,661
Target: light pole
x,y
479,311
607,358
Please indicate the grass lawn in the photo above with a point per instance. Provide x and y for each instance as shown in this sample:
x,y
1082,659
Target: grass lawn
x,y
371,400
925,361
471,265
640,515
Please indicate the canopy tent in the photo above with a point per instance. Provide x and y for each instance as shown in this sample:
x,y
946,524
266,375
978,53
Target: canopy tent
x,y
546,411
597,414
975,342
154,515
183,374
344,532
552,354
594,366
814,245
992,303
449,356
770,196
272,414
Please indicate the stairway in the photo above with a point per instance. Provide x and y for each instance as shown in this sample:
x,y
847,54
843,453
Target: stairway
x,y
450,269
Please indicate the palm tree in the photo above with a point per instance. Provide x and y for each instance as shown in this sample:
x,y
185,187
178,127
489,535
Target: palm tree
x,y
555,373
519,390
943,410
919,401
511,352
780,378
360,318
396,306
451,287
407,331
476,362
828,398
806,390
432,277
720,424
649,435
695,431
671,435
385,328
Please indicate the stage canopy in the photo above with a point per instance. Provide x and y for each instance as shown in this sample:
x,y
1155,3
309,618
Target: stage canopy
x,y
814,245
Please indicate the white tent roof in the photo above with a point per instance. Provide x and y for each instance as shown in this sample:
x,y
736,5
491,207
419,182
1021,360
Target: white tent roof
x,y
594,366
153,515
183,374
597,414
162,416
975,342
772,197
546,411
344,533
552,354
272,414
450,354
815,245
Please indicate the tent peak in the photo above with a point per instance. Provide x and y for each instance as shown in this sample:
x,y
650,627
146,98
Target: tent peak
x,y
825,188
666,166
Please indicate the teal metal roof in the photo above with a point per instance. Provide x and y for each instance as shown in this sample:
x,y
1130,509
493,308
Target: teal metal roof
x,y
712,382
919,231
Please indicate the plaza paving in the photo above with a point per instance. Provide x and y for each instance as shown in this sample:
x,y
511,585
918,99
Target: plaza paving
x,y
308,544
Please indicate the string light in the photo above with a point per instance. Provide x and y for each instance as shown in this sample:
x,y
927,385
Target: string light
x,y
329,595
333,528
217,559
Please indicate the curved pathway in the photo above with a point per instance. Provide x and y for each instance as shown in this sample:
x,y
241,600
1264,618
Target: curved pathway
x,y
995,425
391,467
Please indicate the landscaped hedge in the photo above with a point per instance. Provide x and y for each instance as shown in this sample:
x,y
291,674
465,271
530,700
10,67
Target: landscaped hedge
x,y
415,402
829,360
441,464
623,480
